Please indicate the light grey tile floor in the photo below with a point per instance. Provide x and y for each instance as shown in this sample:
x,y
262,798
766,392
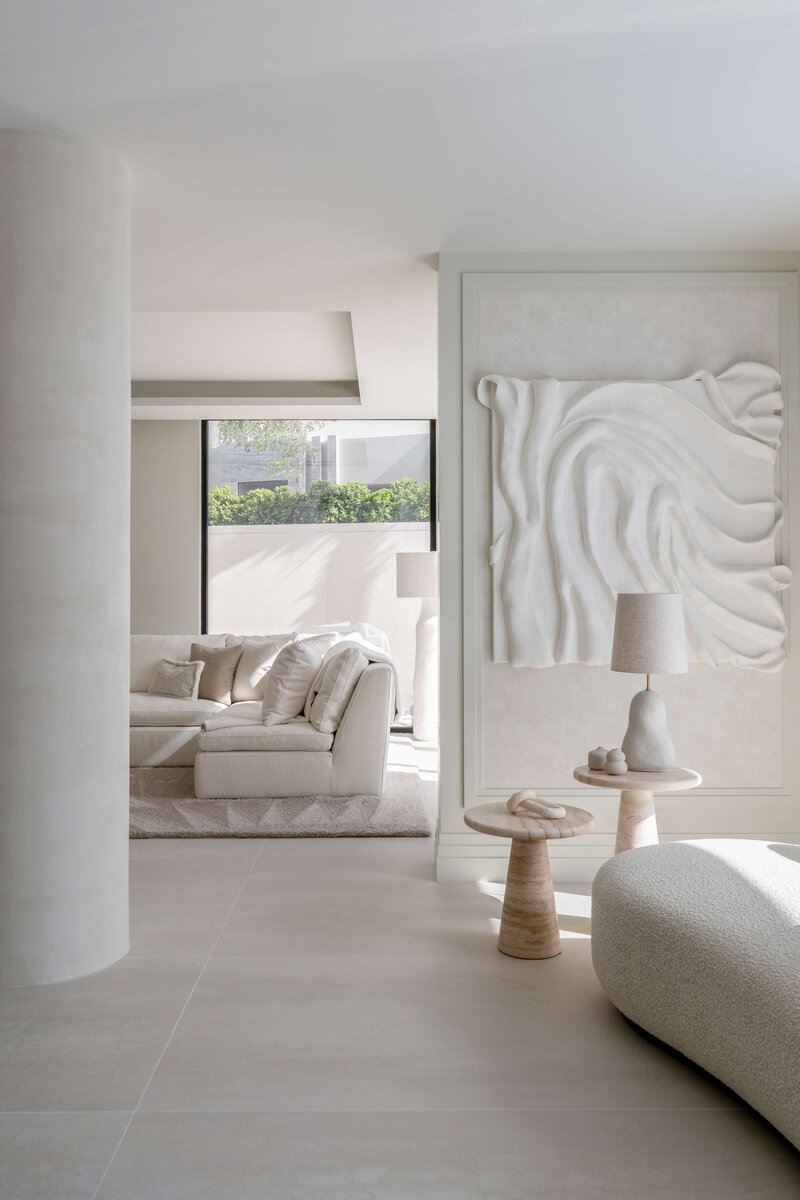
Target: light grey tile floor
x,y
319,1019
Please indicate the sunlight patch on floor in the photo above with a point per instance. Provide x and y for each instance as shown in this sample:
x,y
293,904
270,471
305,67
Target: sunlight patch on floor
x,y
574,910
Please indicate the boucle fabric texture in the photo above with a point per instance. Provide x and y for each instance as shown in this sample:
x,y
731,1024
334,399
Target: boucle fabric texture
x,y
258,655
289,681
163,804
698,943
337,683
216,680
180,680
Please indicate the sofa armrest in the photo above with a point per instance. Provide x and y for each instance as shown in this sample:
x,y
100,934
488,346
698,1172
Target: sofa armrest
x,y
361,744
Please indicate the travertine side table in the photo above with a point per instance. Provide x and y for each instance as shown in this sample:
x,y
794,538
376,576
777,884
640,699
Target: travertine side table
x,y
529,925
636,824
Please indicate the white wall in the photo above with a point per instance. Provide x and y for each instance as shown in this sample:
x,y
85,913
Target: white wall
x,y
279,578
523,727
165,527
243,345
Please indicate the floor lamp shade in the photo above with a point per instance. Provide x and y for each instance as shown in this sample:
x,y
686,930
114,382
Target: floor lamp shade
x,y
418,574
650,634
649,639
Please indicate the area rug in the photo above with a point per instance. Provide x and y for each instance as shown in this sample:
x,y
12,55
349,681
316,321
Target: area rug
x,y
163,805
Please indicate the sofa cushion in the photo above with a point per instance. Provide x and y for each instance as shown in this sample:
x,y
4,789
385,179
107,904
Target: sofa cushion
x,y
219,666
164,710
258,655
289,681
337,682
163,746
147,650
294,735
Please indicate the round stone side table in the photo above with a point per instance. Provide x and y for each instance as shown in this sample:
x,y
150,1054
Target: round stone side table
x,y
529,925
636,824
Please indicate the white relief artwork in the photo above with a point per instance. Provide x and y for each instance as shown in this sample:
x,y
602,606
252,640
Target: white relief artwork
x,y
601,488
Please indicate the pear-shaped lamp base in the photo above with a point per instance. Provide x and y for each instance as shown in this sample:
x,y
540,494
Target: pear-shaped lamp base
x,y
647,745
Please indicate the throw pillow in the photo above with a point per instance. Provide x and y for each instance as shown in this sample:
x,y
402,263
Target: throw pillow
x,y
336,685
180,680
289,681
216,680
258,655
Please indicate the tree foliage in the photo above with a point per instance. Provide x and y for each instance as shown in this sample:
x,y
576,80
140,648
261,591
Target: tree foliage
x,y
288,441
324,503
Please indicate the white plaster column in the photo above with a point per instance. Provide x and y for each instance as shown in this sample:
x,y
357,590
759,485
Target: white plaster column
x,y
64,547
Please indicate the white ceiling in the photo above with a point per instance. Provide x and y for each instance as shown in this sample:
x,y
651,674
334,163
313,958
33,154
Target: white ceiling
x,y
310,154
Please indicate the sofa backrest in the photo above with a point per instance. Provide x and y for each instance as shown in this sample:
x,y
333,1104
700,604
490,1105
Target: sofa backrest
x,y
147,650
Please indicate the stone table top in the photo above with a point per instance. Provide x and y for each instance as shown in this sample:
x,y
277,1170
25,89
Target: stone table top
x,y
495,819
678,779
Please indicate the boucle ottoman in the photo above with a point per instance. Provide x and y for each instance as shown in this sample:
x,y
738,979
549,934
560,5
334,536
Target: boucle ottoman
x,y
699,944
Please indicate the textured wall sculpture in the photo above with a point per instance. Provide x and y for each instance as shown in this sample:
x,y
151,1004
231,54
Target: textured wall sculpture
x,y
600,488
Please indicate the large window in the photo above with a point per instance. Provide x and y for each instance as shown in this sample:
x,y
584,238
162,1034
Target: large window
x,y
304,519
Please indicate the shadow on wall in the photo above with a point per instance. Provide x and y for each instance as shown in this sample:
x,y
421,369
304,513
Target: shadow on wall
x,y
276,578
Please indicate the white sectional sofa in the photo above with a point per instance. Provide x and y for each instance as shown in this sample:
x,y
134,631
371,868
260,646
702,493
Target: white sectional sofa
x,y
250,759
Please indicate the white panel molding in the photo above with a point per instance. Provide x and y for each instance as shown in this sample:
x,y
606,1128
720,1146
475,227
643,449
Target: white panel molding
x,y
730,811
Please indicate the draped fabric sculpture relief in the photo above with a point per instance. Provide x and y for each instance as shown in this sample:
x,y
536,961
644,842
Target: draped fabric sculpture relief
x,y
601,488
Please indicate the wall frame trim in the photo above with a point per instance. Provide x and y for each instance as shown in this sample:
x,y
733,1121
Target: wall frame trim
x,y
463,278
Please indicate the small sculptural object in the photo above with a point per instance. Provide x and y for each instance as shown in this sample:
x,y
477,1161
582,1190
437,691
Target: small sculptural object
x,y
526,802
597,758
615,763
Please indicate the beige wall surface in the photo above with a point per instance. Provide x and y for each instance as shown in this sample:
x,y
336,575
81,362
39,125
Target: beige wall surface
x,y
663,319
165,527
279,578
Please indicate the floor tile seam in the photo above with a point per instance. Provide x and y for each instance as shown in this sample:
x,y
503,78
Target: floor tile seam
x,y
72,1112
278,1112
205,963
484,954
174,1027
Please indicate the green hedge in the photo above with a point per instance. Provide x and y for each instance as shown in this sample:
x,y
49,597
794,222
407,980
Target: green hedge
x,y
324,504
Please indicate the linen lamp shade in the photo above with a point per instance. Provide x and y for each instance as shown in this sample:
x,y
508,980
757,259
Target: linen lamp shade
x,y
418,574
649,634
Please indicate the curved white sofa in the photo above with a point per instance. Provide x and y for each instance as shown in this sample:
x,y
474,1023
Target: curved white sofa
x,y
699,944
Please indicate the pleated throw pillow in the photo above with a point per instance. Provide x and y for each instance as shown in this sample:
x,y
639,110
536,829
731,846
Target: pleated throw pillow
x,y
289,681
216,680
179,680
336,685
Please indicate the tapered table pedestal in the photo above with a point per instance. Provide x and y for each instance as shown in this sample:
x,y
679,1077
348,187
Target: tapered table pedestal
x,y
636,823
528,925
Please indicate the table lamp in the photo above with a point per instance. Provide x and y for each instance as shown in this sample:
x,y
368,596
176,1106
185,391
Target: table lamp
x,y
418,578
649,639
